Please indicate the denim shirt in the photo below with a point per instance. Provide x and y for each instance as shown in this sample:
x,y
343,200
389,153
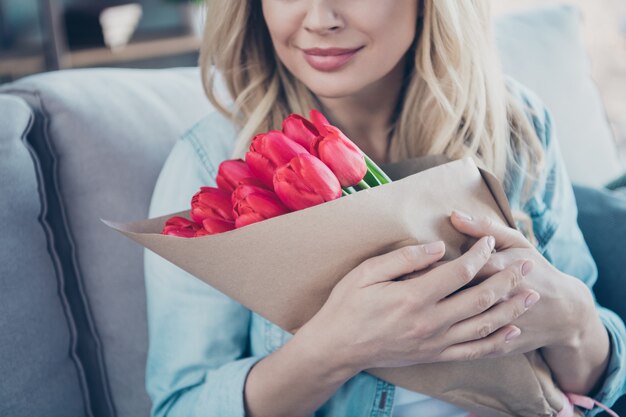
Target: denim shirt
x,y
203,343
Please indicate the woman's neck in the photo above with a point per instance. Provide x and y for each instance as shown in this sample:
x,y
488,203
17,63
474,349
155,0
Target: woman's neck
x,y
367,117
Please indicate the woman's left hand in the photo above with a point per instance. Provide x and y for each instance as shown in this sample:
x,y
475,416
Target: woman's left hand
x,y
562,323
564,300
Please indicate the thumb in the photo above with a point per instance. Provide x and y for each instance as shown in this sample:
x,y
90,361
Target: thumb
x,y
396,263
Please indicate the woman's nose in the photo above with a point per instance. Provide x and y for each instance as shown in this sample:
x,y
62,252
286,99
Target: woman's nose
x,y
323,18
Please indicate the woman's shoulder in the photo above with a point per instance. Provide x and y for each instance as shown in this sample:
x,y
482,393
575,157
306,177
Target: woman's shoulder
x,y
534,107
212,138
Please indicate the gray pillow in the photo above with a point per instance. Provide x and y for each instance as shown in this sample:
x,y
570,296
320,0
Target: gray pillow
x,y
602,219
542,48
40,372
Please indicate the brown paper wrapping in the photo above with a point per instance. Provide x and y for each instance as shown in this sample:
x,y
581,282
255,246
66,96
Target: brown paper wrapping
x,y
284,268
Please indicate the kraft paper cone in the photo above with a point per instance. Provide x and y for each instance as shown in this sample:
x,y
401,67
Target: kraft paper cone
x,y
284,269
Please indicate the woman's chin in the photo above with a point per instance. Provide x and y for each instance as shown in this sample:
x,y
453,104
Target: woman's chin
x,y
331,90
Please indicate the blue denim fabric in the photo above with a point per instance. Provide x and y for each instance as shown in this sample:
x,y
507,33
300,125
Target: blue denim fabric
x,y
202,343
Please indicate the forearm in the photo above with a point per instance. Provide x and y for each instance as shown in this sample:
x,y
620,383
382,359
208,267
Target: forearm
x,y
579,364
294,381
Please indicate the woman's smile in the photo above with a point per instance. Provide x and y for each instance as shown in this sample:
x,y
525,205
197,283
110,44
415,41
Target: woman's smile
x,y
329,59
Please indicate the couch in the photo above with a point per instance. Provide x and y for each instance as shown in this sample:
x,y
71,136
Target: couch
x,y
79,145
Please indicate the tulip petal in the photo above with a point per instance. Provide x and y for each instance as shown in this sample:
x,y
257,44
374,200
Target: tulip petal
x,y
261,167
268,151
300,130
319,121
280,149
292,191
341,155
180,227
318,177
247,219
211,202
305,182
252,204
349,167
213,225
232,172
202,232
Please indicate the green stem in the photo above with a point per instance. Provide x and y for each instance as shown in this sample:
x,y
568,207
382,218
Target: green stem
x,y
348,190
363,185
371,179
382,177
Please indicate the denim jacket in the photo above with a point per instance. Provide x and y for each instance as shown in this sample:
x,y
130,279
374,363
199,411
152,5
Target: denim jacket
x,y
202,343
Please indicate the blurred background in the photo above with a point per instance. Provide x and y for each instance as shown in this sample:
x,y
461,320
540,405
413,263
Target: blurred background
x,y
44,35
604,31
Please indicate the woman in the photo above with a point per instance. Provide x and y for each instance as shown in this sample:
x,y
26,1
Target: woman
x,y
402,78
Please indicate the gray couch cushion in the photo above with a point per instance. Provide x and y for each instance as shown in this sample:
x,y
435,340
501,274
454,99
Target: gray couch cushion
x,y
543,49
101,137
602,219
39,369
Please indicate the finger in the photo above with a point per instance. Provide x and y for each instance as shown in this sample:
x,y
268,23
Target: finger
x,y
475,300
506,237
496,263
497,344
401,261
500,315
453,275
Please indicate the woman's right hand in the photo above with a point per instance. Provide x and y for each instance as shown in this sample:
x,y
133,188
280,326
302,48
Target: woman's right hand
x,y
370,320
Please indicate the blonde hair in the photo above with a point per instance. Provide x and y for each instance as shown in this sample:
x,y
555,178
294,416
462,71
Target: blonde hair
x,y
455,101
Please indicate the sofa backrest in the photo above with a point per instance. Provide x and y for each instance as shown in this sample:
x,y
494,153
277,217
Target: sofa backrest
x,y
36,370
99,138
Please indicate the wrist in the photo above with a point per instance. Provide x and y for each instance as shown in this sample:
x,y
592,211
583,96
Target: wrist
x,y
579,358
329,362
581,319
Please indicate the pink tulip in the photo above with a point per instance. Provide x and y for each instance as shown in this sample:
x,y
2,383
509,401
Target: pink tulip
x,y
299,129
233,172
269,151
319,121
202,232
341,155
213,204
304,182
181,227
213,225
253,204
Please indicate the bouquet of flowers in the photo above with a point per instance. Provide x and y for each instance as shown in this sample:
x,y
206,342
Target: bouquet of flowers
x,y
308,163
287,194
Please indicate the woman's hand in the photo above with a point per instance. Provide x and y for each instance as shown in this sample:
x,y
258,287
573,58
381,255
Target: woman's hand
x,y
370,320
556,319
565,323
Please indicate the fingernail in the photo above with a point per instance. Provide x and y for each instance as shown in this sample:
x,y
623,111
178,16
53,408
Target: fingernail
x,y
527,267
512,334
492,242
434,248
463,216
531,299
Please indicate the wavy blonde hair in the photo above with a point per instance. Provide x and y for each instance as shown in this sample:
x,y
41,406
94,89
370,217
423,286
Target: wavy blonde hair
x,y
454,102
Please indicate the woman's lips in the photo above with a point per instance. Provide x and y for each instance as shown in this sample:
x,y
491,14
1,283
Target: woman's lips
x,y
329,59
